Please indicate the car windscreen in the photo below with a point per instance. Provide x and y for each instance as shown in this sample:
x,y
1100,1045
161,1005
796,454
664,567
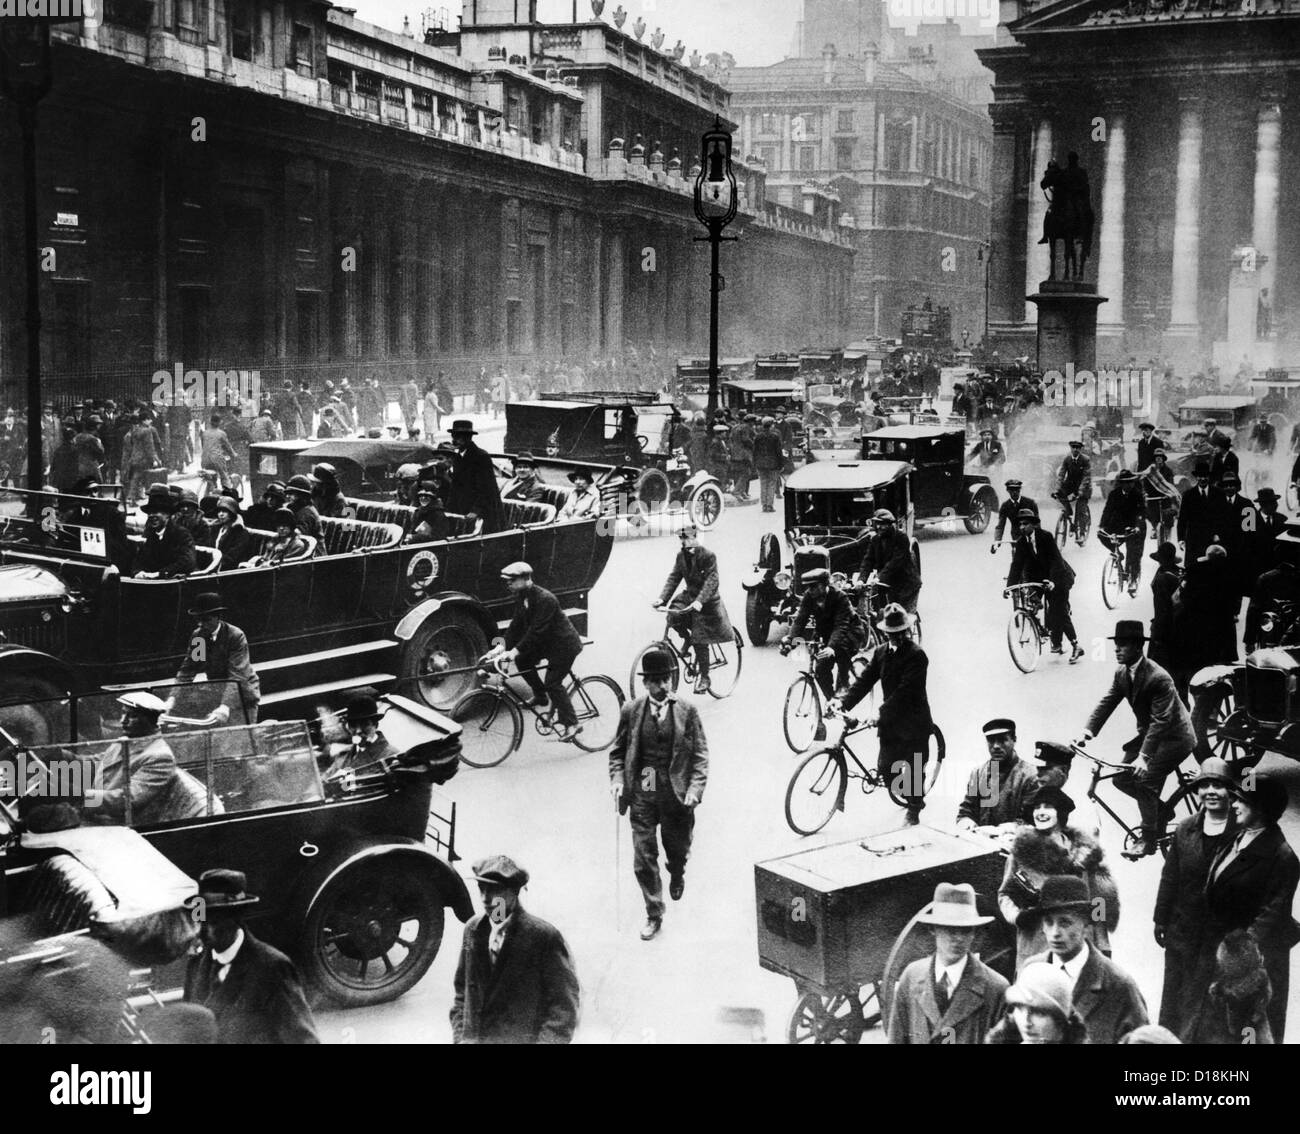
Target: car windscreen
x,y
850,509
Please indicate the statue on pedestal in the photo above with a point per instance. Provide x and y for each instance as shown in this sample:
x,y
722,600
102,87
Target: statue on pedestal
x,y
1069,217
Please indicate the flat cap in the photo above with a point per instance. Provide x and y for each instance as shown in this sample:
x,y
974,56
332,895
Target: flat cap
x,y
498,870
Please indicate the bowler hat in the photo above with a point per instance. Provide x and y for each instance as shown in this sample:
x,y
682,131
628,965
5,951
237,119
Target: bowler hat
x,y
953,906
1128,630
498,870
657,664
1214,551
1166,555
1044,988
1053,797
1266,495
1058,892
998,726
363,706
223,890
1267,795
209,602
158,503
1215,770
895,620
462,425
1048,753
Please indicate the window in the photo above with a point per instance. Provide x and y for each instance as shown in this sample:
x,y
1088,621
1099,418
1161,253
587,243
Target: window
x,y
807,159
844,122
301,55
974,170
241,30
767,124
768,154
843,154
514,111
187,21
897,145
569,130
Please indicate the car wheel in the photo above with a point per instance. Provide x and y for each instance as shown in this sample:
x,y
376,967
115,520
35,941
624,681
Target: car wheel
x,y
758,617
373,932
706,505
652,492
438,660
30,708
977,519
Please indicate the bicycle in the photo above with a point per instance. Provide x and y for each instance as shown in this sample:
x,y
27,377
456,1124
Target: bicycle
x,y
803,717
1114,570
1025,630
820,781
1074,521
492,720
871,598
1184,794
725,658
1162,517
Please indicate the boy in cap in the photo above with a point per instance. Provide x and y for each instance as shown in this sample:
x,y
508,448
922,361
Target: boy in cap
x,y
515,981
950,996
1074,485
998,789
1036,559
1165,737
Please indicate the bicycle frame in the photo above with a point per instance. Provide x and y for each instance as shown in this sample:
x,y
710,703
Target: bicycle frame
x,y
1113,772
717,659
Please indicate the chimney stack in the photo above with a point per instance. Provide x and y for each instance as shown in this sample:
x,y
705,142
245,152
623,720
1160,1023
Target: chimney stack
x,y
869,66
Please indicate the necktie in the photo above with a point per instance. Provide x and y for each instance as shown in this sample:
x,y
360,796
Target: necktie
x,y
945,991
494,945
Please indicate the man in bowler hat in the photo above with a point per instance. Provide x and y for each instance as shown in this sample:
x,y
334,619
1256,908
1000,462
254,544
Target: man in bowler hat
x,y
658,768
219,649
253,990
515,981
950,996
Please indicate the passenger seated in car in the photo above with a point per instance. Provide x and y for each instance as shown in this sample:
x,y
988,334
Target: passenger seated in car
x,y
407,477
287,546
430,520
143,764
584,500
525,486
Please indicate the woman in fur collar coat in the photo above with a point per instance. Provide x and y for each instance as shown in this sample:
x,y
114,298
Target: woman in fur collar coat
x,y
1048,845
1235,1007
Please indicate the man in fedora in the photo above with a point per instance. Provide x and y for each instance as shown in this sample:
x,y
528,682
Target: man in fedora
x,y
167,551
1165,737
1272,524
950,996
515,981
1201,515
1036,559
1105,996
658,769
369,745
1180,911
903,721
998,790
1163,586
219,649
474,490
1123,522
1240,534
253,990
540,631
584,500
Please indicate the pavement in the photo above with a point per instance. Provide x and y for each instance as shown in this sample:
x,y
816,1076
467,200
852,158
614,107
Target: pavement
x,y
548,805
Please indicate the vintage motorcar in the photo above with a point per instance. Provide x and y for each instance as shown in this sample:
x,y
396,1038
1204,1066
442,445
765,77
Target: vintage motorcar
x,y
353,866
627,439
370,608
940,488
826,405
828,510
1232,413
691,379
762,396
366,466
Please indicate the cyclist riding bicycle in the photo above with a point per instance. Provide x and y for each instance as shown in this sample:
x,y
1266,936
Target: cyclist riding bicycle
x,y
1037,559
699,614
837,625
1161,495
1009,509
888,562
1263,437
1074,482
1122,521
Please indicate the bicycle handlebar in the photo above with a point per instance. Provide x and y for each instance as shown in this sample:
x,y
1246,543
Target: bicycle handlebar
x,y
1094,758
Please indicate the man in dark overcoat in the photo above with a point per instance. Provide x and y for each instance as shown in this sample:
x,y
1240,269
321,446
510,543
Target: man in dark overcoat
x,y
474,489
698,613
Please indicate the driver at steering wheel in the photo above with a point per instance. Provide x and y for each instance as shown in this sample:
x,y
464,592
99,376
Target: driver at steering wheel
x,y
837,625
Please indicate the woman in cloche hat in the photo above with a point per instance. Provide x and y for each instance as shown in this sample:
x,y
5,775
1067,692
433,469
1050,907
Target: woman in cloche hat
x,y
1040,1010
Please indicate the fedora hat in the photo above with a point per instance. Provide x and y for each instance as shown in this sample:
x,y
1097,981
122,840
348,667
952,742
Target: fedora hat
x,y
1166,555
953,906
225,890
895,620
657,665
1267,495
209,602
1058,892
498,870
1129,630
462,425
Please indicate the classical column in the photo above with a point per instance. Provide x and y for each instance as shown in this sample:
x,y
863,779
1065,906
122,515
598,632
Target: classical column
x,y
914,144
1184,314
1268,139
617,262
405,261
1006,296
345,187
880,141
1110,243
594,292
1036,255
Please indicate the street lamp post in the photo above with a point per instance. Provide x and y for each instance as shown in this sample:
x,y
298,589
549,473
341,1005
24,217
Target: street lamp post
x,y
986,254
716,200
25,79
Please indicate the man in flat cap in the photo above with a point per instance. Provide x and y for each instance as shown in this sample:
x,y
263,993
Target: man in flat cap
x,y
998,789
515,981
1036,559
253,990
835,623
949,996
1074,484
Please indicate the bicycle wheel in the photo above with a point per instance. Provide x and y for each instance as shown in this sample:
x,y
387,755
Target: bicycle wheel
x,y
634,685
1112,584
802,718
491,726
1083,524
905,774
1062,529
815,791
596,703
1023,640
725,659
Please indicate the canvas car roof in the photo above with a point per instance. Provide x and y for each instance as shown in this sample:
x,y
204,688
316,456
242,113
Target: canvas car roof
x,y
915,432
1218,401
840,476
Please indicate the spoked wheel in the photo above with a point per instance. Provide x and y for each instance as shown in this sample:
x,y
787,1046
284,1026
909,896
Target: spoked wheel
x,y
706,505
636,688
1210,708
439,658
815,791
828,1019
1062,530
1023,640
725,659
1112,584
802,719
921,769
491,727
373,933
1083,526
652,491
977,519
596,702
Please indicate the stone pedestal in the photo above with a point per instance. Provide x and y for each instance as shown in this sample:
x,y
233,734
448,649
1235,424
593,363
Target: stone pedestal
x,y
1067,324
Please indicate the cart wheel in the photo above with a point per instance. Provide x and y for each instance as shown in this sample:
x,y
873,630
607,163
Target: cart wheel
x,y
826,1019
1210,708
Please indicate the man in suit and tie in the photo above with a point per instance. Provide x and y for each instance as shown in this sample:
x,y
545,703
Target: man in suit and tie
x,y
988,451
1037,559
1272,524
1240,534
950,996
1201,516
698,613
1009,510
658,769
1105,996
515,981
1165,737
252,989
219,649
1147,445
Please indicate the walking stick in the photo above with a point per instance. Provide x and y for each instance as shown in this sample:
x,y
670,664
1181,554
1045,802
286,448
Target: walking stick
x,y
618,871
